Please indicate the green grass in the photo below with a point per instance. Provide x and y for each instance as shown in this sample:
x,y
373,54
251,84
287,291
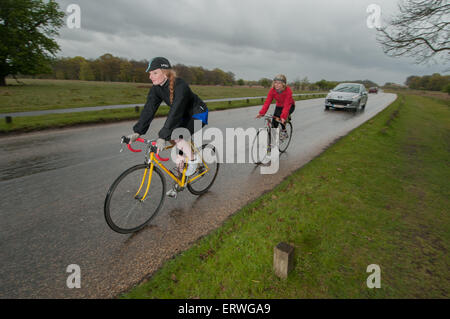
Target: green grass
x,y
33,123
54,94
58,94
380,195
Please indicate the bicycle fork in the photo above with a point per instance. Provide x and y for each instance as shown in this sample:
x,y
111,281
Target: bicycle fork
x,y
136,196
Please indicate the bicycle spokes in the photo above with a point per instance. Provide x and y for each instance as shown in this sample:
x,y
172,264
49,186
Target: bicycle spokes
x,y
206,172
127,210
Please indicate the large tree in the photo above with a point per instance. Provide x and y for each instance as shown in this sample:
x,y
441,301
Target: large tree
x,y
421,30
27,28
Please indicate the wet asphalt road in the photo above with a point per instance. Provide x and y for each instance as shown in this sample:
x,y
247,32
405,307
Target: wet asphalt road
x,y
53,185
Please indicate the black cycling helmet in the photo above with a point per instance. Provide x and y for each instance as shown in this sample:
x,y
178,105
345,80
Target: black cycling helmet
x,y
158,63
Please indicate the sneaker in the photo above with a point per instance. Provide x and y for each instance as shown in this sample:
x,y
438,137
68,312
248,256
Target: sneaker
x,y
191,167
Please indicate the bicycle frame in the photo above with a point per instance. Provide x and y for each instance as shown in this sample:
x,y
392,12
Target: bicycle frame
x,y
182,182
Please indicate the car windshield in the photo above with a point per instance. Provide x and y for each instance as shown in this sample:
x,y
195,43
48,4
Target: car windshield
x,y
347,88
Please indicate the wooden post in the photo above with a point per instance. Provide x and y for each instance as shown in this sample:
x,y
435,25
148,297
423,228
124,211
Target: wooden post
x,y
283,259
229,102
248,101
8,119
136,108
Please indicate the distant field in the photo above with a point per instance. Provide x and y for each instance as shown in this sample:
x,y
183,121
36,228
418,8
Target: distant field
x,y
36,95
57,94
433,94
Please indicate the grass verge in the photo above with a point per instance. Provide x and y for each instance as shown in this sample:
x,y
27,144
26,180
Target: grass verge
x,y
380,196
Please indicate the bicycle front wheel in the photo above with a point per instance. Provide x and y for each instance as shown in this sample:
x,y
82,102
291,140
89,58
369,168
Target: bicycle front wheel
x,y
285,138
206,172
261,147
131,203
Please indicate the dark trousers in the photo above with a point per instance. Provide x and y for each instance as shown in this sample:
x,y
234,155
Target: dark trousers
x,y
277,113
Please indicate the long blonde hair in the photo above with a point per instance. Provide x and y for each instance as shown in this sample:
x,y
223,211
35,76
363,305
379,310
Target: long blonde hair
x,y
283,78
171,76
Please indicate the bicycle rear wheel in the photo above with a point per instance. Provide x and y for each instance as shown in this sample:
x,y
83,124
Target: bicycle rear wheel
x,y
261,147
210,164
125,212
285,138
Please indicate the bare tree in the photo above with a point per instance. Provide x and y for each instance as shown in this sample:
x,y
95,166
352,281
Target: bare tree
x,y
421,30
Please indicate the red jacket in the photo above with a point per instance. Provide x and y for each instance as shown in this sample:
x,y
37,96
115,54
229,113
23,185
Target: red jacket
x,y
284,100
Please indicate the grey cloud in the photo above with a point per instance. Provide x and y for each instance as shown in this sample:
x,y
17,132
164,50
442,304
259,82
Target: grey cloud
x,y
324,38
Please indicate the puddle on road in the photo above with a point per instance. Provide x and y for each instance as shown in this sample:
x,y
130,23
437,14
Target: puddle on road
x,y
33,165
31,142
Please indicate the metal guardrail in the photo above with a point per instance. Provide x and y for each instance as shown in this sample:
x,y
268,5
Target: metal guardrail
x,y
259,97
9,116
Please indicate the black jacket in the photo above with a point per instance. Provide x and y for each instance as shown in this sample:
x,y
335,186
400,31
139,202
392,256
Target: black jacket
x,y
185,104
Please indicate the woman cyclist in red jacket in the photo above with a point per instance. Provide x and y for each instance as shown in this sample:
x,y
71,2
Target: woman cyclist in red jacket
x,y
285,104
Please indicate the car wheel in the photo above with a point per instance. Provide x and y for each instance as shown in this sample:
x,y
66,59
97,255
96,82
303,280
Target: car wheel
x,y
327,107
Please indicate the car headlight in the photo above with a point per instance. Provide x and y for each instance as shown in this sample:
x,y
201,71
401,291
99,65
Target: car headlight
x,y
355,97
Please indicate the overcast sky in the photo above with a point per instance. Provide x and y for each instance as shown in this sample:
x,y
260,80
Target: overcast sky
x,y
318,39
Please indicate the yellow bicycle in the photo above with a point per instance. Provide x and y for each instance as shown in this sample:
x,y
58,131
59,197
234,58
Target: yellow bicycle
x,y
138,194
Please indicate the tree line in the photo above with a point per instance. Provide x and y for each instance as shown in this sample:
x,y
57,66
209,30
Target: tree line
x,y
115,69
435,82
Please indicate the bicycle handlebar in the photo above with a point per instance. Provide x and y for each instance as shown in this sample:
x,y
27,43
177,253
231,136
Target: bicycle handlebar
x,y
153,143
275,118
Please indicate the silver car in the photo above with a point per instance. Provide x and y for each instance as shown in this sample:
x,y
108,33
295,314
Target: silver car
x,y
347,96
